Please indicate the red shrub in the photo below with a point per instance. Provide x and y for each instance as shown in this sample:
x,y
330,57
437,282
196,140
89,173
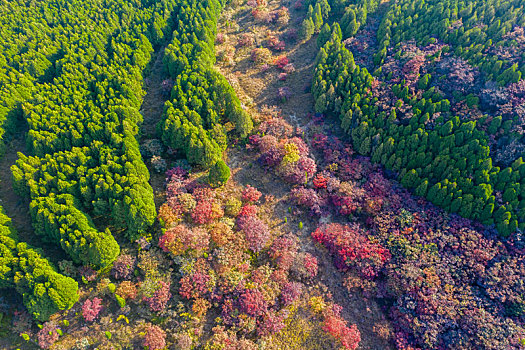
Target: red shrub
x,y
206,211
250,194
252,302
320,181
348,336
248,210
276,44
281,62
352,248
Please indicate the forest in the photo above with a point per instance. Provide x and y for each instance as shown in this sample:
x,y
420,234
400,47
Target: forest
x,y
262,174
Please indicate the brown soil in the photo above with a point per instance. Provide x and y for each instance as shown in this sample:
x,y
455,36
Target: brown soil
x,y
151,109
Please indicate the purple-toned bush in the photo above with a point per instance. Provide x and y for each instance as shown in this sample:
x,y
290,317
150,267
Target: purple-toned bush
x,y
290,292
271,323
283,250
159,299
308,198
299,172
284,93
276,127
91,309
256,232
123,266
155,338
48,335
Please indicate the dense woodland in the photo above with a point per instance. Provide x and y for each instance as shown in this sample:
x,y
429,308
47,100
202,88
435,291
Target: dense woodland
x,y
376,200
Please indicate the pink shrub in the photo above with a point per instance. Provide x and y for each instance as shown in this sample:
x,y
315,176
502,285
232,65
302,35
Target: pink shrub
x,y
283,250
155,338
48,335
194,286
256,232
91,309
246,39
290,292
308,198
220,38
251,194
305,265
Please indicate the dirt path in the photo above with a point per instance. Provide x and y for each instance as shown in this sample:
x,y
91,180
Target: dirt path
x,y
151,109
256,89
153,103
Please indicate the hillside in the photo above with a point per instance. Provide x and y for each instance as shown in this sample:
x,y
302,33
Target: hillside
x,y
262,174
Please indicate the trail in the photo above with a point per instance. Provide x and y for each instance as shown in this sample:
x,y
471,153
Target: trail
x,y
151,109
256,90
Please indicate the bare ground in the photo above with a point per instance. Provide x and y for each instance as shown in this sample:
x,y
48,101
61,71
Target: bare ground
x,y
151,109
